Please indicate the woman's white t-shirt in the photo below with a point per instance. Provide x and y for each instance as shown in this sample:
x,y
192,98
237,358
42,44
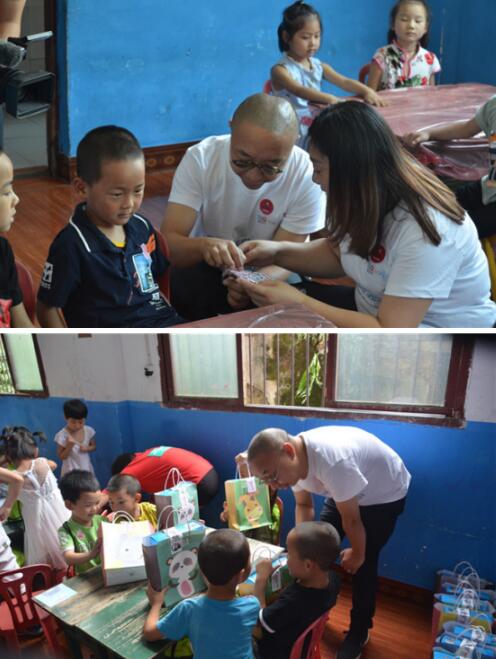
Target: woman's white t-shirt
x,y
454,274
346,462
228,209
76,459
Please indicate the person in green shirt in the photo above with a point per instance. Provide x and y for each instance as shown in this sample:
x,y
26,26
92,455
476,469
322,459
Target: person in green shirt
x,y
79,537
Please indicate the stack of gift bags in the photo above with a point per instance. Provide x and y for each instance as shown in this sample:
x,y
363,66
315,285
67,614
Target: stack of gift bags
x,y
463,618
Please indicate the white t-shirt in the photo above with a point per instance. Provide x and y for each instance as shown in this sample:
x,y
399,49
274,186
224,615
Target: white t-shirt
x,y
346,462
76,459
227,209
454,274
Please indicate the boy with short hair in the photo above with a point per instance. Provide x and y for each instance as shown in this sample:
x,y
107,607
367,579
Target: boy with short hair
x,y
313,547
218,624
78,537
102,268
124,494
76,440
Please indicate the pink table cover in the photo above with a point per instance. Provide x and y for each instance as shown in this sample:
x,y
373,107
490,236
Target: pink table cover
x,y
415,108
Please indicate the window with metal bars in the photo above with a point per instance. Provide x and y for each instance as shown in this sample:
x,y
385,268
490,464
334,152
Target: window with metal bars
x,y
21,370
312,374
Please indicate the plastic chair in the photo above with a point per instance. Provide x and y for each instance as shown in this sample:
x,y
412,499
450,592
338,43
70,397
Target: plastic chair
x,y
364,72
27,288
164,280
18,612
316,630
267,88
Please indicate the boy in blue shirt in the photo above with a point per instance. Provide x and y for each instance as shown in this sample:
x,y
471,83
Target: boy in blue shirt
x,y
102,268
218,624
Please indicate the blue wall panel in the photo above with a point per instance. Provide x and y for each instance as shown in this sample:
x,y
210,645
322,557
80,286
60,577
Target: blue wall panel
x,y
450,512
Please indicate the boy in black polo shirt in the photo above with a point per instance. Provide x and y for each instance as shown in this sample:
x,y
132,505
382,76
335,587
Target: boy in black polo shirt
x,y
12,311
102,267
313,547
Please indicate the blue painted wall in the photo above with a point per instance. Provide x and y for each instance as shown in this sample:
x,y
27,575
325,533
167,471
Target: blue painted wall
x,y
465,33
174,71
450,513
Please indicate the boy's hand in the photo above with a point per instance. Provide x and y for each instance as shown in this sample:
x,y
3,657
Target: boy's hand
x,y
155,596
4,513
223,515
264,569
372,98
414,139
96,549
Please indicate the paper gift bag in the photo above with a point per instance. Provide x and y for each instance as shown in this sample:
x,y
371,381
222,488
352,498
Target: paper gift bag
x,y
248,504
180,498
122,553
171,559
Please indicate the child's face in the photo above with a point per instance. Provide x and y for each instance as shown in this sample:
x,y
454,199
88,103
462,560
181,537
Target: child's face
x,y
73,425
86,507
113,199
121,500
410,23
8,198
306,42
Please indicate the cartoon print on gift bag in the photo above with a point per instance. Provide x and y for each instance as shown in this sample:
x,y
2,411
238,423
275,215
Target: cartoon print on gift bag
x,y
252,507
183,568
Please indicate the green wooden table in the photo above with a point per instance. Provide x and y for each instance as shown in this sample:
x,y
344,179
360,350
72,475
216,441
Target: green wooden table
x,y
109,620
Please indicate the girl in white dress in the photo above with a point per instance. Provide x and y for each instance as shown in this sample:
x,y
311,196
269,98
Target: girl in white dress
x,y
43,508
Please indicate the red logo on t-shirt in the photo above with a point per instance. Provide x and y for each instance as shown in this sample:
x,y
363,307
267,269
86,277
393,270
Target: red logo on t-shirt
x,y
429,58
266,206
378,254
5,306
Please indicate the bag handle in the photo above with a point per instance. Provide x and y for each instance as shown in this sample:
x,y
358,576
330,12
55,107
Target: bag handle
x,y
124,514
256,554
237,474
176,474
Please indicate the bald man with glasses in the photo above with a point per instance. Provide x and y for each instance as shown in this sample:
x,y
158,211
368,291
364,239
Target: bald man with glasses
x,y
252,184
365,484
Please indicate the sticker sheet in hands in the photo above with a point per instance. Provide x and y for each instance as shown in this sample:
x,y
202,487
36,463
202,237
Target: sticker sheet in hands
x,y
252,276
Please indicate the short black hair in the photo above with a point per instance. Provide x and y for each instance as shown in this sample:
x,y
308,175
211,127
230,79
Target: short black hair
x,y
223,554
294,18
75,409
101,144
20,443
129,484
75,483
121,462
318,542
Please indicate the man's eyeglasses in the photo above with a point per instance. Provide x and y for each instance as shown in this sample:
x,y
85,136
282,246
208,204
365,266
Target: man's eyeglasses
x,y
267,170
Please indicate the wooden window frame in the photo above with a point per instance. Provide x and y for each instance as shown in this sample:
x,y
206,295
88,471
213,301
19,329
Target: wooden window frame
x,y
450,414
27,392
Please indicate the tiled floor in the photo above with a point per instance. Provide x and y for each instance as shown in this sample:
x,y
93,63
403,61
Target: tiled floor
x,y
25,141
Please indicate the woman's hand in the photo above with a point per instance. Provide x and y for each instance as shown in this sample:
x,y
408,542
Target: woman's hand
x,y
237,298
260,252
273,292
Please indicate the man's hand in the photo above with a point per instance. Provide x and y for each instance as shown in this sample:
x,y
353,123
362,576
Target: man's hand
x,y
350,562
414,139
220,253
4,513
237,298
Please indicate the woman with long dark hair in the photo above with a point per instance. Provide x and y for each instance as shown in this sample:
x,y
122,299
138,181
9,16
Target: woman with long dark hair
x,y
394,228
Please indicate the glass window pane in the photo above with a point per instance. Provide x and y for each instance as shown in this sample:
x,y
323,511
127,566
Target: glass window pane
x,y
204,366
24,362
403,369
6,385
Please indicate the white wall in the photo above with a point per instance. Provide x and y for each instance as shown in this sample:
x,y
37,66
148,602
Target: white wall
x,y
103,367
111,367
